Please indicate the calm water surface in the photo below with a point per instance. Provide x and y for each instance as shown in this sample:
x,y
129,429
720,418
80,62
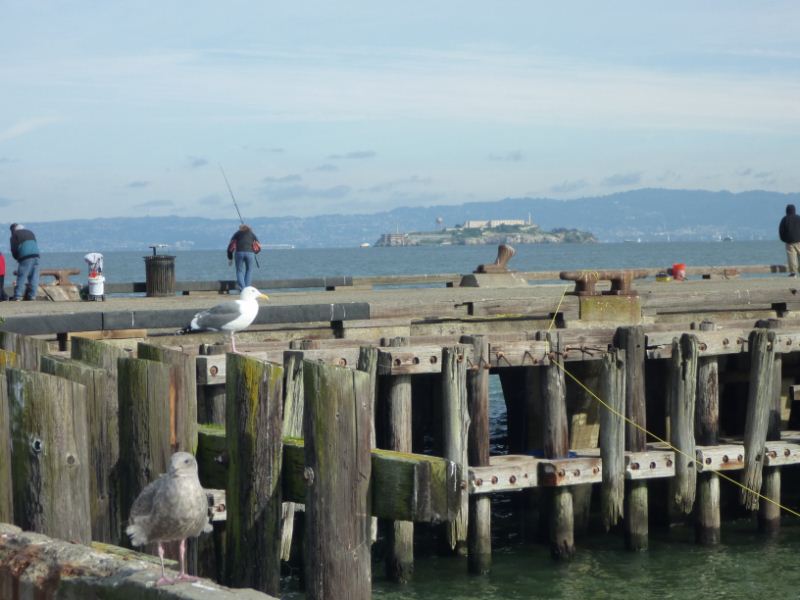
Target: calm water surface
x,y
745,566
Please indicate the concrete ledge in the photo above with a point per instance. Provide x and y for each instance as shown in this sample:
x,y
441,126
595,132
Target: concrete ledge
x,y
36,566
497,280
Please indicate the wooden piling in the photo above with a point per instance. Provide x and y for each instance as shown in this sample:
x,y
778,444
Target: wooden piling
x,y
28,349
50,455
556,445
182,394
368,363
211,397
396,391
761,345
254,434
144,428
681,406
612,437
632,341
707,521
292,428
7,359
479,529
769,511
338,469
455,423
101,407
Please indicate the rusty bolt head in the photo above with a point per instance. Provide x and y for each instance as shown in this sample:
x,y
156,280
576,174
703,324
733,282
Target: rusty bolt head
x,y
561,473
786,452
434,359
70,459
214,371
669,462
708,460
342,362
512,479
739,458
577,472
415,360
653,465
725,458
478,482
397,362
494,479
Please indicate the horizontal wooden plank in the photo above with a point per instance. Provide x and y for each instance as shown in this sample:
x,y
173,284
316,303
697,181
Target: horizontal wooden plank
x,y
652,464
408,360
559,472
781,453
726,457
507,473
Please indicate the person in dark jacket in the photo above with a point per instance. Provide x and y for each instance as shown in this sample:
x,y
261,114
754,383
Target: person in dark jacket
x,y
3,296
789,232
25,251
243,248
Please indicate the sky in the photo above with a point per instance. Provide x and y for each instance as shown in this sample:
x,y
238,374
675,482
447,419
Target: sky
x,y
116,109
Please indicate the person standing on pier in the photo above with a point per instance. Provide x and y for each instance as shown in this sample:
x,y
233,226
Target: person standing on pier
x,y
242,248
789,232
3,296
25,251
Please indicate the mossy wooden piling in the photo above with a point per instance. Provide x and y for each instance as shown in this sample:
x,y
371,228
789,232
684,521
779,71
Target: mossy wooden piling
x,y
253,426
479,528
338,467
144,426
707,522
396,398
682,388
101,409
769,512
7,359
293,405
50,454
631,339
612,437
455,431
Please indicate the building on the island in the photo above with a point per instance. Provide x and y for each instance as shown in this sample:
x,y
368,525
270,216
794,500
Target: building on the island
x,y
393,239
492,223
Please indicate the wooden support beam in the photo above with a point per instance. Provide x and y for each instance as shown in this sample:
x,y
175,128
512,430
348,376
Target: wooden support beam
x,y
681,397
479,533
338,473
707,515
412,360
292,427
612,437
759,405
50,455
7,359
455,424
253,426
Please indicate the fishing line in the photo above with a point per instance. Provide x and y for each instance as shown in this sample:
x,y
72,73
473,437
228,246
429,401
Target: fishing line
x,y
241,220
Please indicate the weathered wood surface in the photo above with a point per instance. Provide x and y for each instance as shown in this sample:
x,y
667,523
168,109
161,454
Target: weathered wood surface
x,y
144,432
707,514
182,394
396,399
479,541
7,359
210,396
338,467
253,426
103,431
50,454
682,388
612,438
292,428
455,431
27,349
759,404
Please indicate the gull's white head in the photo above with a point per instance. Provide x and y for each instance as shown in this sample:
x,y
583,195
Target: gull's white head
x,y
251,293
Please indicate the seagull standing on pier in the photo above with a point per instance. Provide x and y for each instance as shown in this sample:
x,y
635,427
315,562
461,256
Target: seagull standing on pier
x,y
173,507
232,316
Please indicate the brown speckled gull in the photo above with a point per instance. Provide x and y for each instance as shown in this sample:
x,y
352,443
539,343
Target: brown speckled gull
x,y
173,507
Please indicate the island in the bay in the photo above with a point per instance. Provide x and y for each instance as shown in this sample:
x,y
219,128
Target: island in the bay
x,y
495,231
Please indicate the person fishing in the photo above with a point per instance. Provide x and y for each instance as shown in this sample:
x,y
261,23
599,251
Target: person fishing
x,y
242,249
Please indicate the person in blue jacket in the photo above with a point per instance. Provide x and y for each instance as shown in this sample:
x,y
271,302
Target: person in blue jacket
x,y
25,251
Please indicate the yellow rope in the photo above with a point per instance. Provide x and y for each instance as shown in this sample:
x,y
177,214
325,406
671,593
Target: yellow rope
x,y
555,314
680,452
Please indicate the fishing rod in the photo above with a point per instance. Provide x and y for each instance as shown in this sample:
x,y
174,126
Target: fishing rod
x,y
238,212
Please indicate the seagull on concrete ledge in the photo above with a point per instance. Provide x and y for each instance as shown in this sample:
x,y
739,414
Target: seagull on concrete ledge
x,y
232,316
173,507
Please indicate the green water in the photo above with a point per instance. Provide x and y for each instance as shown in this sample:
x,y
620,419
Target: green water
x,y
745,565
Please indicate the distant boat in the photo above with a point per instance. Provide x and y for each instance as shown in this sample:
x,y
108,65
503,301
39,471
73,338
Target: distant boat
x,y
727,238
364,245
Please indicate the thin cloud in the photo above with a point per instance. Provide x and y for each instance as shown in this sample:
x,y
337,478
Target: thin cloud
x,y
621,179
326,168
302,191
138,184
398,183
357,155
566,187
285,179
210,200
511,156
26,126
155,204
195,162
6,201
4,160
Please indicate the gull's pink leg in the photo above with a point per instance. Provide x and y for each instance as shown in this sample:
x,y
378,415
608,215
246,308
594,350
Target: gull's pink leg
x,y
163,580
183,576
233,343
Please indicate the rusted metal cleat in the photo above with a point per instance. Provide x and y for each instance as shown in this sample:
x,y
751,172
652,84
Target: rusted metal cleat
x,y
621,281
500,265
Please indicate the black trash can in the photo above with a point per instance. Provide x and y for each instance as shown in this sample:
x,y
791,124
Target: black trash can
x,y
159,275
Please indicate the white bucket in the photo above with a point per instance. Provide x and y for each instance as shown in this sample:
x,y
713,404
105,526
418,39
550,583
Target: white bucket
x,y
96,287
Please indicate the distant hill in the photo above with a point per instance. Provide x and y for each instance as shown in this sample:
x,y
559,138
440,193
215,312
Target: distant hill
x,y
646,214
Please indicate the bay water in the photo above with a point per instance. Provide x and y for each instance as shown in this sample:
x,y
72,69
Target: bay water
x,y
745,565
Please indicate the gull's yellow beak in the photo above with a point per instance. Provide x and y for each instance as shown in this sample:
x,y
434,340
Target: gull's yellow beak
x,y
264,296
